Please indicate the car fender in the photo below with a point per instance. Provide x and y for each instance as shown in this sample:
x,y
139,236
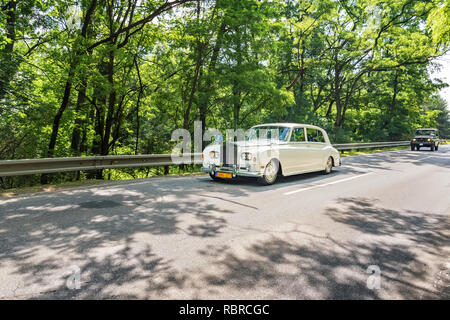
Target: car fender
x,y
267,153
333,153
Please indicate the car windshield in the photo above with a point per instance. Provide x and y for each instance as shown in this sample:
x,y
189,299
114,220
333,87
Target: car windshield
x,y
268,132
425,132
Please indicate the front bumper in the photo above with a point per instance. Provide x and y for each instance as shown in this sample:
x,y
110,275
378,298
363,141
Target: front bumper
x,y
236,172
421,144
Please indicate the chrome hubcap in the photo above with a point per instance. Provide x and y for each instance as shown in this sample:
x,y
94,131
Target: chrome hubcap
x,y
271,172
329,165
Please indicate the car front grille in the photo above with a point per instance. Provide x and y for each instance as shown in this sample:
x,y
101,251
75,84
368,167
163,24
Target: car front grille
x,y
228,154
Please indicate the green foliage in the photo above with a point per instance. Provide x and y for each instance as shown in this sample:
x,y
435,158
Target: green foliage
x,y
101,77
438,20
438,113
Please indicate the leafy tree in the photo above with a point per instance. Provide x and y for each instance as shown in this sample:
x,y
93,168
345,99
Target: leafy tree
x,y
95,77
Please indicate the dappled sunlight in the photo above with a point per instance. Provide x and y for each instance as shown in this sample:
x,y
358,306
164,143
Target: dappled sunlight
x,y
318,270
190,238
429,230
50,208
3,202
47,244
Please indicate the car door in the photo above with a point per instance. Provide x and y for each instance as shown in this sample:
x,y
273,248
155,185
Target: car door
x,y
317,145
295,158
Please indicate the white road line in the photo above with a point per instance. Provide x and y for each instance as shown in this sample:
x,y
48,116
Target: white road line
x,y
327,184
423,158
436,156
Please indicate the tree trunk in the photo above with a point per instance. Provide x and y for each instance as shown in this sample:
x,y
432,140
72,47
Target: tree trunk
x,y
67,89
111,105
198,65
236,90
138,122
208,91
394,96
330,106
236,112
56,121
68,86
8,64
236,105
337,95
99,118
76,133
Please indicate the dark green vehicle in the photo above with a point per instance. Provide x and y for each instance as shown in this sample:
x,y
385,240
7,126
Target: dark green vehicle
x,y
425,137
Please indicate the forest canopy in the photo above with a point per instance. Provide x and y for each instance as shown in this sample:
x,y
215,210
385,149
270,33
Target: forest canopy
x,y
99,77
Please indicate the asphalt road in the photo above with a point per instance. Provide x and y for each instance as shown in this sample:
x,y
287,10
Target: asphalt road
x,y
307,237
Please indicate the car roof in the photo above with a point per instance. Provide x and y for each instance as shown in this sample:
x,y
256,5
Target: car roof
x,y
288,124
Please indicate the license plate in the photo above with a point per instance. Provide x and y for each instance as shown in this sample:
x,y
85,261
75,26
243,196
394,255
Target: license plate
x,y
421,144
226,175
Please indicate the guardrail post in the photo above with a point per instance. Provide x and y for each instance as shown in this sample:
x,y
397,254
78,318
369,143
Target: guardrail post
x,y
2,183
166,170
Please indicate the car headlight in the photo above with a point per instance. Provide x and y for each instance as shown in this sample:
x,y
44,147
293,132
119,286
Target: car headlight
x,y
246,156
213,154
429,140
414,140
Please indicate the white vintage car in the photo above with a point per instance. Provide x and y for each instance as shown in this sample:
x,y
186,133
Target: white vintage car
x,y
269,150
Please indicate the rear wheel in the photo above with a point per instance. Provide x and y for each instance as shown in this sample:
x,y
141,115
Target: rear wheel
x,y
329,166
270,173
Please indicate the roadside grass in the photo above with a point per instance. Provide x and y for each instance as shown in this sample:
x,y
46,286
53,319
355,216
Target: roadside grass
x,y
348,153
49,187
80,183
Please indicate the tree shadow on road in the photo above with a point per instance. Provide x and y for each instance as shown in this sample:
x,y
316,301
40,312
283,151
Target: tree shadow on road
x,y
427,230
124,274
405,245
41,239
40,242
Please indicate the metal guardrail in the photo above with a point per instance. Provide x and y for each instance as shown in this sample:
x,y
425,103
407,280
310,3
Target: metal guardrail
x,y
10,168
369,145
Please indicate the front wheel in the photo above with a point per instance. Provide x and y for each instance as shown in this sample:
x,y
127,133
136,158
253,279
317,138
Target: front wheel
x,y
270,173
329,166
432,147
413,148
436,148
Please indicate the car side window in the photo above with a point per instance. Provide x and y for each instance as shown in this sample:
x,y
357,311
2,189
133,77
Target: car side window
x,y
298,135
320,137
315,135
